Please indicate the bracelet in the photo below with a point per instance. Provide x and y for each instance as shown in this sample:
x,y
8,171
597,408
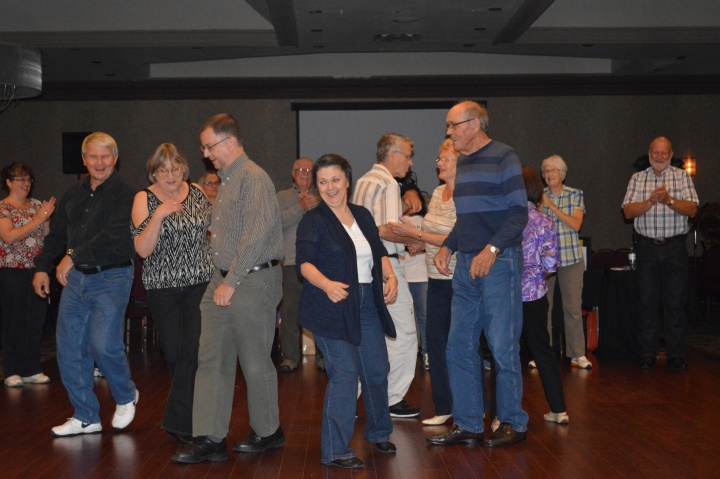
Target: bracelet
x,y
420,235
391,276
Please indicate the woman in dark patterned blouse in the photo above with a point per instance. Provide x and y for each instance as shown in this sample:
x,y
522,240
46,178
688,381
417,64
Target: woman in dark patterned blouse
x,y
23,226
170,219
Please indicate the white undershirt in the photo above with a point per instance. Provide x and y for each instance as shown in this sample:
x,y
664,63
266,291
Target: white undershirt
x,y
362,251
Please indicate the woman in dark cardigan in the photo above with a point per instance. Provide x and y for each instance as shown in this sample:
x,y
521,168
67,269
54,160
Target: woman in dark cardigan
x,y
344,264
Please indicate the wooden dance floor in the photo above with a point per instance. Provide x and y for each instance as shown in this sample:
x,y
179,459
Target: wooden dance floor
x,y
624,423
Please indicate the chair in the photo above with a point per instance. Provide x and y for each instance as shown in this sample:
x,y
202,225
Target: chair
x,y
710,284
138,308
619,258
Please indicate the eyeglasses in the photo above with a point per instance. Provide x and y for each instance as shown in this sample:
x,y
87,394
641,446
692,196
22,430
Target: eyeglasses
x,y
23,180
209,148
165,172
211,183
551,170
444,160
304,170
409,157
451,126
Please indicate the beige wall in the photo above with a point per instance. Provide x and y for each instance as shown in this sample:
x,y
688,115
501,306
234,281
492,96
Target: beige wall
x,y
599,137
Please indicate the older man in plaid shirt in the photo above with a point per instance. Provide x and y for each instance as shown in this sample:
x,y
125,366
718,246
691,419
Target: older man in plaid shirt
x,y
660,199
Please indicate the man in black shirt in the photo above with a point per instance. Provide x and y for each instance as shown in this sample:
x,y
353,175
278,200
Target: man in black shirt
x,y
93,221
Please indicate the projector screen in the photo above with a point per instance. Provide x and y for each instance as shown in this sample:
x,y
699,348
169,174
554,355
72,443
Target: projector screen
x,y
352,131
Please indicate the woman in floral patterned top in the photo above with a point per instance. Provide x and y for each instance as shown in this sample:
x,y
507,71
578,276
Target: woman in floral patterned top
x,y
540,257
23,226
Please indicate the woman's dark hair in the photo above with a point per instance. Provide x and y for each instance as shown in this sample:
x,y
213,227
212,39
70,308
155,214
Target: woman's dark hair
x,y
533,184
15,170
413,186
331,159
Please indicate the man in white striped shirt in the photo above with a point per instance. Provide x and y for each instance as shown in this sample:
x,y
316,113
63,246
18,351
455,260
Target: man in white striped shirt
x,y
379,192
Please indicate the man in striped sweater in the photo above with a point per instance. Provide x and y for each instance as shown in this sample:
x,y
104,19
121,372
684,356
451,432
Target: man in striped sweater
x,y
491,207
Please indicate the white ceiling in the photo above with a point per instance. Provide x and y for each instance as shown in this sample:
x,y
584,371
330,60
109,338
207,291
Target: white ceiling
x,y
149,40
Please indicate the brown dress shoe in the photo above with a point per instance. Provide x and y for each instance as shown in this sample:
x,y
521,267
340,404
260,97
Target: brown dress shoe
x,y
456,435
504,436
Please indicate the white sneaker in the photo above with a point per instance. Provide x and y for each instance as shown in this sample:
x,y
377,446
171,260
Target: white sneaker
x,y
73,427
581,362
14,381
97,373
559,418
532,365
38,378
125,413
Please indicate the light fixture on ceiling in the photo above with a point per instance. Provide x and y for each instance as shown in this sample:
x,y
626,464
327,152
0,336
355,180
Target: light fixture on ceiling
x,y
20,74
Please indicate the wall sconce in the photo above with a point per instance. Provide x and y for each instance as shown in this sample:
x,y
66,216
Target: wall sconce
x,y
20,74
689,165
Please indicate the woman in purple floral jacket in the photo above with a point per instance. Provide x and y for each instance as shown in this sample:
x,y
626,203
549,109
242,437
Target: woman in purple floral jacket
x,y
540,258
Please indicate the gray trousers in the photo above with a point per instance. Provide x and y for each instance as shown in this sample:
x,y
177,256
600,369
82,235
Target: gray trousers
x,y
571,286
289,329
243,331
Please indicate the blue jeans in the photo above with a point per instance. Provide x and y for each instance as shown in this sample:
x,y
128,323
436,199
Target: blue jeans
x,y
492,304
90,328
418,291
344,363
439,303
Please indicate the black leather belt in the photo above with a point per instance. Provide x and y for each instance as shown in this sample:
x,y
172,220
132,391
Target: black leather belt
x,y
394,255
85,269
257,267
671,239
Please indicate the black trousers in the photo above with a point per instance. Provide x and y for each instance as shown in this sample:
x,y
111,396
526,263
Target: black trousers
x,y
537,340
176,314
23,319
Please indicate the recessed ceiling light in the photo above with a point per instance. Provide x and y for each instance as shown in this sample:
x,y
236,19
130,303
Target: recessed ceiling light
x,y
405,19
396,37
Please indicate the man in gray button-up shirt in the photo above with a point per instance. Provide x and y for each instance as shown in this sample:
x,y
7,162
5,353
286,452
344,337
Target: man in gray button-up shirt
x,y
238,309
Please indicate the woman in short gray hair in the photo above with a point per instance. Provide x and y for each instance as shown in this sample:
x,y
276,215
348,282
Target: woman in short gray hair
x,y
566,207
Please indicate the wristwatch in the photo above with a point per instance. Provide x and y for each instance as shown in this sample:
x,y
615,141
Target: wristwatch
x,y
672,201
493,249
71,252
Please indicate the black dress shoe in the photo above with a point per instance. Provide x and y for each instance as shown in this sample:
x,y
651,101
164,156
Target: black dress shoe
x,y
202,449
255,443
181,439
346,463
648,362
403,409
504,436
456,435
677,364
386,447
